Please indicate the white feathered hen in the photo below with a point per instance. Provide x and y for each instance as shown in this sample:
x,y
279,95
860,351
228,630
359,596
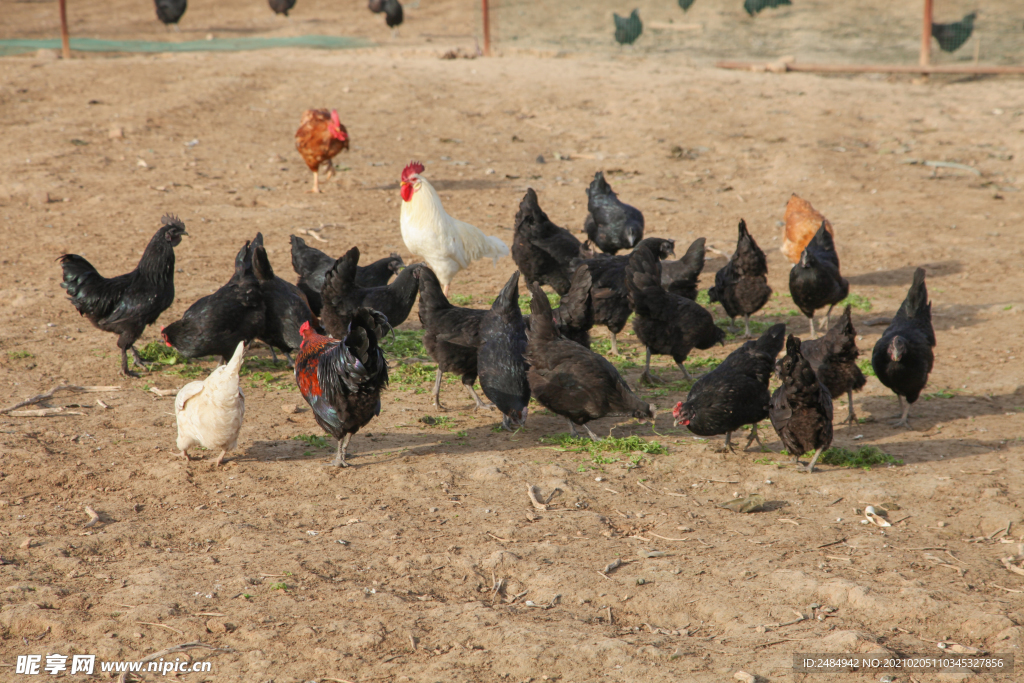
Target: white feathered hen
x,y
210,412
447,244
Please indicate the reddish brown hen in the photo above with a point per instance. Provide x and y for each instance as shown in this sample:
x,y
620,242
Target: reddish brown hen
x,y
321,137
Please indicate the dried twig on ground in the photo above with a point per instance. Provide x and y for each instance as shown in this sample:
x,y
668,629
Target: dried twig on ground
x,y
534,494
60,387
94,516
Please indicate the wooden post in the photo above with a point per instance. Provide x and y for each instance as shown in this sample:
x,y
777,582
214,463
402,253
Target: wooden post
x,y
926,34
487,29
65,42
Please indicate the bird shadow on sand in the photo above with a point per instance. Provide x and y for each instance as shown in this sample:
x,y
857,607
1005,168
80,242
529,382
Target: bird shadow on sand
x,y
902,277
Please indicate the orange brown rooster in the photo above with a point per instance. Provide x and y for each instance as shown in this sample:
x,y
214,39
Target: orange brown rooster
x,y
802,222
320,137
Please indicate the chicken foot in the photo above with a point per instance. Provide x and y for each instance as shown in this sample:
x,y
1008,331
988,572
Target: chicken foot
x,y
124,365
811,319
220,458
905,408
576,435
437,390
184,454
339,457
728,442
852,419
828,317
647,377
476,397
809,467
686,373
615,345
754,436
138,359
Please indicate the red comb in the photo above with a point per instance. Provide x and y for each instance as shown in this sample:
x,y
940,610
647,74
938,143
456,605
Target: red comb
x,y
334,117
304,328
414,168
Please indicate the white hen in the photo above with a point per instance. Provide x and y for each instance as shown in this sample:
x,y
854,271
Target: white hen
x,y
210,412
447,244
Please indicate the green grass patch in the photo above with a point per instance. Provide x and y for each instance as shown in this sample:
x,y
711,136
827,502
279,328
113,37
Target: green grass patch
x,y
411,375
603,452
865,366
525,299
858,301
765,461
314,440
707,363
438,421
405,344
279,586
863,458
160,353
189,371
702,298
461,299
941,393
17,355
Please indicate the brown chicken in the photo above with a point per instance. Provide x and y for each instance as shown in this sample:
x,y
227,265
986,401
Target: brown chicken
x,y
320,137
802,222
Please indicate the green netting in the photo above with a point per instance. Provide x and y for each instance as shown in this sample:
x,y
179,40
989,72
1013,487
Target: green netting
x,y
17,46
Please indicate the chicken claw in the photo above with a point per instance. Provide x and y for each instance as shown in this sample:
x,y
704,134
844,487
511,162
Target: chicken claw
x,y
754,436
902,422
184,454
479,401
220,458
339,458
138,359
809,467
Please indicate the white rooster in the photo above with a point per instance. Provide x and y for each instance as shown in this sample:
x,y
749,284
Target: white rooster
x,y
447,244
210,412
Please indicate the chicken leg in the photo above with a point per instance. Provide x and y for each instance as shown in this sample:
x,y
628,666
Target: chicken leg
x,y
184,454
754,436
339,458
852,419
615,345
686,373
828,317
809,467
746,326
728,442
811,319
316,183
647,377
905,408
447,288
576,435
476,397
220,458
138,359
124,365
437,390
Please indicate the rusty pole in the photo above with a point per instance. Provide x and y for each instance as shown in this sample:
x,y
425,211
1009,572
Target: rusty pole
x,y
65,42
926,34
487,29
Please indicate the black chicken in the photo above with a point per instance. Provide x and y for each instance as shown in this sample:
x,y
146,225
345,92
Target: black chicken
x,y
801,409
903,357
286,305
500,358
575,314
281,6
392,10
608,295
573,381
666,323
311,265
834,359
680,277
814,281
127,303
542,250
451,335
342,380
741,286
953,35
170,11
628,29
342,297
610,224
736,392
215,324
685,4
754,6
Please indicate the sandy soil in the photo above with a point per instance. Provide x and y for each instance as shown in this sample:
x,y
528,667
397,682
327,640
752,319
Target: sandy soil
x,y
387,570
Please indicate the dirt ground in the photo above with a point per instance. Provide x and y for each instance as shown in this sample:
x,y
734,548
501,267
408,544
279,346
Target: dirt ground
x,y
425,561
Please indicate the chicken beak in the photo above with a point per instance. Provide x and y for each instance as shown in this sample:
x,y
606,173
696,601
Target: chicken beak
x,y
675,421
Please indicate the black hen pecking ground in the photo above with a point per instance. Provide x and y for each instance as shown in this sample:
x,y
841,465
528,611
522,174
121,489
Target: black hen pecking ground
x,y
543,251
741,286
801,409
500,358
834,359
